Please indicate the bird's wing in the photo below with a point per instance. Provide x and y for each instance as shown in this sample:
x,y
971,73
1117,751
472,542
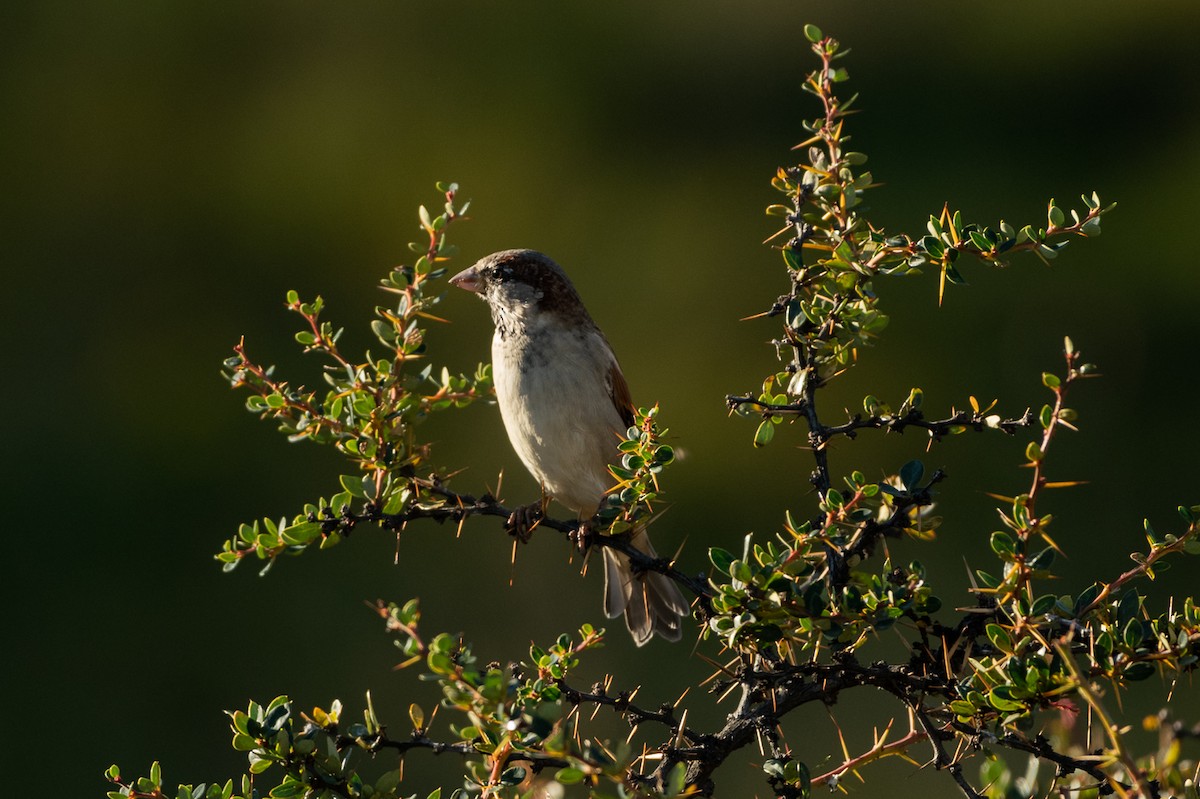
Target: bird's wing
x,y
619,390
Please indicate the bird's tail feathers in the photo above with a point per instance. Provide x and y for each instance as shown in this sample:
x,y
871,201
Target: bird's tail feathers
x,y
650,602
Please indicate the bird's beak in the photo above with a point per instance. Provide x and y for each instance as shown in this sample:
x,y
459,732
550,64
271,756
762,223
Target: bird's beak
x,y
469,280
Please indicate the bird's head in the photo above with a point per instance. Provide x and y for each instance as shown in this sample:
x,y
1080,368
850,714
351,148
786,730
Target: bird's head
x,y
520,283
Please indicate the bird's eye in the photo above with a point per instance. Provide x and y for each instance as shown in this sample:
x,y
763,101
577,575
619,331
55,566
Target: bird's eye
x,y
502,273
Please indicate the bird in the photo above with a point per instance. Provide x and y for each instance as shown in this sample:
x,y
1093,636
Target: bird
x,y
565,405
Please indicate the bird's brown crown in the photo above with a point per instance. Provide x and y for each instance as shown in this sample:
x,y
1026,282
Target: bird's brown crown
x,y
543,281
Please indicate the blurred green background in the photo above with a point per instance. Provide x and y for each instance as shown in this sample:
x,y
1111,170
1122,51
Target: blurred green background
x,y
171,169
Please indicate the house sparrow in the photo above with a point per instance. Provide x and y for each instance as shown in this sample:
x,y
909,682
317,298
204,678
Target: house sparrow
x,y
565,403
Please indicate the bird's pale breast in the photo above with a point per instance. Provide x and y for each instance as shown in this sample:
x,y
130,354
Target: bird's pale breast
x,y
561,383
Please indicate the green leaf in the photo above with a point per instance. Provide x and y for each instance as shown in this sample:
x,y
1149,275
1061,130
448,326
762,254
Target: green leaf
x,y
243,742
796,773
980,241
513,776
1135,672
353,485
1003,544
300,534
813,33
1086,598
1042,560
720,558
764,434
674,783
911,474
1000,638
1000,698
986,579
740,570
440,663
384,331
276,716
1043,605
1133,633
1127,610
963,708
794,260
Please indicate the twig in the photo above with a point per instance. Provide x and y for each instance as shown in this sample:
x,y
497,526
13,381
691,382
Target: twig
x,y
878,751
941,760
977,421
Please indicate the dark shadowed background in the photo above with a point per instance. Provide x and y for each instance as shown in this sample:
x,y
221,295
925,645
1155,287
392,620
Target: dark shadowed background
x,y
171,169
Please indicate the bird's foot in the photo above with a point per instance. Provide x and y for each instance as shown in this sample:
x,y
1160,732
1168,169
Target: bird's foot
x,y
522,522
584,536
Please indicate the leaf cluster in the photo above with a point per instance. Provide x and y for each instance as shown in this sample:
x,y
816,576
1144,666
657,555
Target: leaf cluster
x,y
372,406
